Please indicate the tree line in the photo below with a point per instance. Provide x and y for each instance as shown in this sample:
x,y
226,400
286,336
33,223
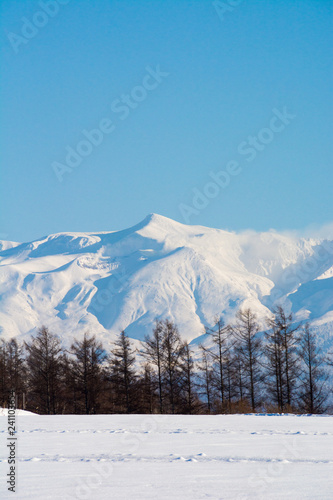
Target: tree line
x,y
241,369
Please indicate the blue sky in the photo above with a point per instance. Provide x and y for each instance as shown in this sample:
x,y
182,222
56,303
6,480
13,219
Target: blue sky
x,y
225,70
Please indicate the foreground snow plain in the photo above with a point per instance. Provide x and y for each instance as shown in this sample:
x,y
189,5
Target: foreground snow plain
x,y
171,457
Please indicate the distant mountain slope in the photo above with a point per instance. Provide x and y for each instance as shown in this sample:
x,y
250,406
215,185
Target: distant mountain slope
x,y
105,282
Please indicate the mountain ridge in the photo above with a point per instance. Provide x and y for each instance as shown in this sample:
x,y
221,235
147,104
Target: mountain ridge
x,y
107,281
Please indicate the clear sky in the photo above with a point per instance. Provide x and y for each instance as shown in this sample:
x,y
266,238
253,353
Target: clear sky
x,y
216,78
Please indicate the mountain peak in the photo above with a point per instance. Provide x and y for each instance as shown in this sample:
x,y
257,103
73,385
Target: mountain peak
x,y
158,219
159,268
160,222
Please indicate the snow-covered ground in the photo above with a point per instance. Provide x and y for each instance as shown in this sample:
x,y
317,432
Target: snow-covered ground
x,y
171,457
4,412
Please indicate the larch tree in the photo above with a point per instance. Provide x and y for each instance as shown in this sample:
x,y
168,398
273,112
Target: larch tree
x,y
221,336
123,376
188,385
206,378
249,347
152,351
147,395
275,366
285,338
16,370
44,362
172,351
12,372
313,392
88,355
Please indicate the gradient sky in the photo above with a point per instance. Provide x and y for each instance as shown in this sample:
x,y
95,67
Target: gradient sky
x,y
227,73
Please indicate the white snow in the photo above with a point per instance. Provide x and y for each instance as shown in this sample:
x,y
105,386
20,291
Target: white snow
x,y
108,281
21,413
171,457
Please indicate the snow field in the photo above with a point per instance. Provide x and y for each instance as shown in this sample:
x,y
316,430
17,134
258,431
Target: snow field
x,y
171,456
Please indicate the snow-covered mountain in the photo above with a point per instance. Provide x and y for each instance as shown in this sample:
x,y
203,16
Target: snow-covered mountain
x,y
108,281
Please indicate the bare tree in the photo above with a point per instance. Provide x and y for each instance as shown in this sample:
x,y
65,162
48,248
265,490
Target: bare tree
x,y
221,336
12,372
3,374
246,332
44,372
239,375
188,384
16,370
123,374
206,377
313,392
275,366
230,379
146,389
172,350
87,357
152,351
282,354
